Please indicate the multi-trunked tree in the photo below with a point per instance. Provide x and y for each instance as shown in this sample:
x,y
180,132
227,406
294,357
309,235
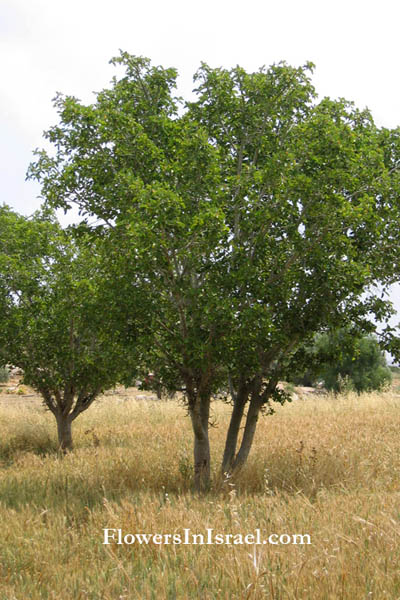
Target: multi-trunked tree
x,y
249,218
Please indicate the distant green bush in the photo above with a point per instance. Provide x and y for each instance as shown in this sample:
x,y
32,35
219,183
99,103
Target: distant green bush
x,y
361,363
344,361
4,375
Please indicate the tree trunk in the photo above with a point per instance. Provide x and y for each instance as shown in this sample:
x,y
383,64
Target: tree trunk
x,y
199,411
233,432
249,431
64,423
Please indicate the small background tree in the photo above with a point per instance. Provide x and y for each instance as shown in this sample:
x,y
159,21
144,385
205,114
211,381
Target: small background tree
x,y
4,375
360,365
344,360
57,319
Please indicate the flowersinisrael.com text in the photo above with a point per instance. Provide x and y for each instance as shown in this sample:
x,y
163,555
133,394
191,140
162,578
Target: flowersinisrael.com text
x,y
117,536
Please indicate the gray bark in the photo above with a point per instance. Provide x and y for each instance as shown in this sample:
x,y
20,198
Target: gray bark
x,y
248,435
256,402
64,423
66,407
239,402
199,411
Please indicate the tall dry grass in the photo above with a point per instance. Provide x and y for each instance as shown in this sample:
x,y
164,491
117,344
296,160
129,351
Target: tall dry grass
x,y
328,467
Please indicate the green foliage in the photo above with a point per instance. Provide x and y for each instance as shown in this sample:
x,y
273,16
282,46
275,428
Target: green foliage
x,y
57,320
360,362
345,360
257,211
4,375
249,218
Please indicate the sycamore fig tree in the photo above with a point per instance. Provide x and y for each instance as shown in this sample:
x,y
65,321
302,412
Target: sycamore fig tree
x,y
55,319
250,218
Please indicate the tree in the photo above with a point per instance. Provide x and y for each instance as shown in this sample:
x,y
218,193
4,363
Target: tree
x,y
353,360
56,322
255,216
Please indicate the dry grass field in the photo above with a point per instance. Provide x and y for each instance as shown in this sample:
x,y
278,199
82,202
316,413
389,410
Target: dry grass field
x,y
323,466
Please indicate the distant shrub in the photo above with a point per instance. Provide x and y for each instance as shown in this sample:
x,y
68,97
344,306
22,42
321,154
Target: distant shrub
x,y
344,361
361,364
4,375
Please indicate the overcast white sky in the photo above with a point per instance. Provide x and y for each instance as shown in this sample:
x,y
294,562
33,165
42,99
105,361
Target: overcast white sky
x,y
57,45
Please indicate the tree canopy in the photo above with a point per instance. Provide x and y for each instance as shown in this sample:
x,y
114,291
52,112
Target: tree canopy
x,y
250,218
57,316
352,362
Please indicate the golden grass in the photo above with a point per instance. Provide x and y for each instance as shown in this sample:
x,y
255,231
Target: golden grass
x,y
328,467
